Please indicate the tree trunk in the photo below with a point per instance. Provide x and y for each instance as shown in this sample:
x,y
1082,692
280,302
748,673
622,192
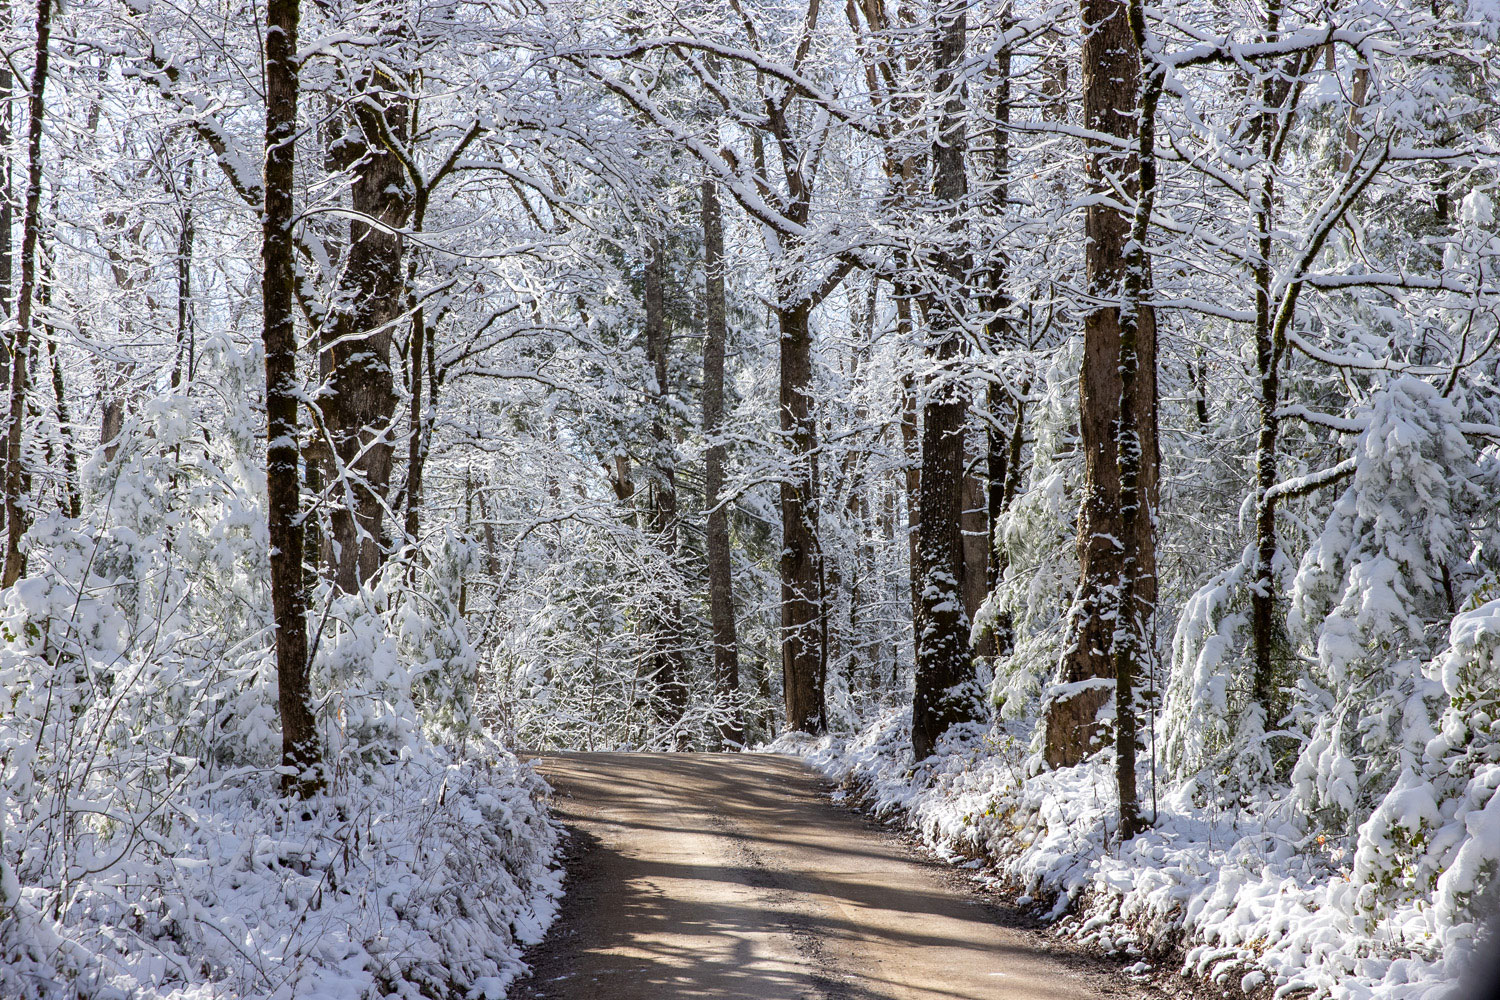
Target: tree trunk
x,y
1113,564
975,525
668,665
945,692
1359,93
416,444
421,352
1264,628
300,751
995,302
7,217
72,499
622,481
911,452
720,579
186,346
359,404
15,475
1002,488
801,593
1137,588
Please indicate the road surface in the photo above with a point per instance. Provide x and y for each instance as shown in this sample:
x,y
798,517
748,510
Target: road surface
x,y
726,875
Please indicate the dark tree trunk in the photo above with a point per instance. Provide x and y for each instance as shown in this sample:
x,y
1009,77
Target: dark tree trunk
x,y
72,499
1268,363
1200,392
975,524
1270,346
622,481
995,303
359,405
1116,546
421,353
416,438
491,549
300,751
15,474
7,217
668,665
720,578
186,346
911,452
1005,450
1137,589
801,590
945,691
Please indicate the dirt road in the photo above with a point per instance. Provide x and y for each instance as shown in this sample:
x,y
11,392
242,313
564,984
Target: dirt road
x,y
703,875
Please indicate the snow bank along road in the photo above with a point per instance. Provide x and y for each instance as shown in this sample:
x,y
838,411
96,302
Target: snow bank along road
x,y
718,875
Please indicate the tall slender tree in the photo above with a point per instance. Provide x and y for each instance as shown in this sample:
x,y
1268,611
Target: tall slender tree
x,y
300,750
668,663
944,693
16,516
1117,409
719,553
994,303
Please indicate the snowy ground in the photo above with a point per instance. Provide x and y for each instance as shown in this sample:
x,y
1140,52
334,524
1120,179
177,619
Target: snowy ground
x,y
1250,903
425,878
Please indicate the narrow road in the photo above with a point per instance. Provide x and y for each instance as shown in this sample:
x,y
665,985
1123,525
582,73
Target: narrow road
x,y
708,875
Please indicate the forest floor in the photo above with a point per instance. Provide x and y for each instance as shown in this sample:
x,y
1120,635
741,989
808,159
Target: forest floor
x,y
719,875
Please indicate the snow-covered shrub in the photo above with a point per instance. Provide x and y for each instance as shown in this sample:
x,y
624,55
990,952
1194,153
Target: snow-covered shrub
x,y
1435,836
424,879
393,664
1370,589
1240,898
1212,729
435,640
144,848
1203,716
1035,543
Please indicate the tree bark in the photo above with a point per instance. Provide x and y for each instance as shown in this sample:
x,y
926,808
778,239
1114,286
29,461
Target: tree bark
x,y
15,474
975,526
801,592
359,404
911,451
7,217
945,692
415,442
186,345
72,499
1117,563
995,302
1265,627
668,665
300,750
1137,589
419,348
720,569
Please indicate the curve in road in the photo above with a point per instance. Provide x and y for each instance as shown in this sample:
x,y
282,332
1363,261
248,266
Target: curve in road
x,y
729,875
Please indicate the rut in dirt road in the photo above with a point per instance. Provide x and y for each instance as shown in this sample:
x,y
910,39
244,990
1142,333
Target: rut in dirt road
x,y
716,875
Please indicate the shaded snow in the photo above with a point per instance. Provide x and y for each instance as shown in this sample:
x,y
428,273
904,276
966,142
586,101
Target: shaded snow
x,y
1251,898
424,877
